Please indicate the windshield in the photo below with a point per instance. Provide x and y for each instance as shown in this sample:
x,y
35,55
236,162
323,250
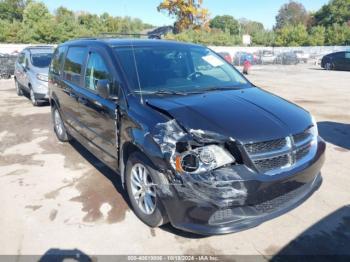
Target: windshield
x,y
181,69
41,59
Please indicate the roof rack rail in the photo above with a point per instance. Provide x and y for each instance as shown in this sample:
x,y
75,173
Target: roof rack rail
x,y
40,46
106,35
111,35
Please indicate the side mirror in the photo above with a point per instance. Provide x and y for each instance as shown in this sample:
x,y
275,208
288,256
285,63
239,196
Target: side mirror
x,y
103,88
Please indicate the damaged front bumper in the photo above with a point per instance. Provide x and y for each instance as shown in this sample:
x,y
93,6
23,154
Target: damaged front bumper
x,y
234,198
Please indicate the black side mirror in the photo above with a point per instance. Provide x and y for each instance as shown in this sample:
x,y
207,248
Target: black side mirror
x,y
103,88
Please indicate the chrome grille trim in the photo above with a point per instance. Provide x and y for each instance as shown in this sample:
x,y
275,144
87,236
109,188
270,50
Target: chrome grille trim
x,y
297,149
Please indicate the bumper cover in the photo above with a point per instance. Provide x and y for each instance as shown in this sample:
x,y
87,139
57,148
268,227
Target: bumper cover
x,y
233,199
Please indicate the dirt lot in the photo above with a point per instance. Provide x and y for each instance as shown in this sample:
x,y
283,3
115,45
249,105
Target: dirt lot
x,y
58,196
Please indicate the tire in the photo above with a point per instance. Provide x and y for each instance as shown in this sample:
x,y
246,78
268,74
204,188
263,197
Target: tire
x,y
155,216
32,97
19,90
328,66
58,125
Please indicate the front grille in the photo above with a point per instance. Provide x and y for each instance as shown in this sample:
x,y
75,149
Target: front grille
x,y
273,155
272,163
302,152
301,137
263,147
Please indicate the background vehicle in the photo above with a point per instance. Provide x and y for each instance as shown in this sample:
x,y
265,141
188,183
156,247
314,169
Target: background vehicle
x,y
31,72
336,61
303,57
226,56
195,143
7,65
241,57
267,57
287,58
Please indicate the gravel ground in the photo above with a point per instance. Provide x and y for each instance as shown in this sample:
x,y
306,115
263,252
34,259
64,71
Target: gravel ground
x,y
57,196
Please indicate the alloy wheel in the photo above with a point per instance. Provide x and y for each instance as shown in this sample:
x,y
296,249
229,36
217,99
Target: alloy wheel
x,y
58,123
143,189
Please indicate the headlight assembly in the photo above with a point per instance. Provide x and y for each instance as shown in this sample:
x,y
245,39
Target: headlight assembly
x,y
203,159
42,77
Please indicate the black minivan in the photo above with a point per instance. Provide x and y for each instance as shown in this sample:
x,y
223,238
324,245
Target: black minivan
x,y
195,143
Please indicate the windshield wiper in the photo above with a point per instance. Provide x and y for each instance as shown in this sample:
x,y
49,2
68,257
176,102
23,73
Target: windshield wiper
x,y
162,92
221,88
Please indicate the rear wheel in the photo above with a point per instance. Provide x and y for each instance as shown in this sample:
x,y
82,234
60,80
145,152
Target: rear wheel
x,y
141,182
18,88
59,127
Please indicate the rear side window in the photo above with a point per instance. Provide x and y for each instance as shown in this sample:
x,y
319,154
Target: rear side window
x,y
347,55
57,60
74,63
96,69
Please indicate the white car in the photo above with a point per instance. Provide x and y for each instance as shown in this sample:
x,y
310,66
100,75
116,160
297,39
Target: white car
x,y
303,57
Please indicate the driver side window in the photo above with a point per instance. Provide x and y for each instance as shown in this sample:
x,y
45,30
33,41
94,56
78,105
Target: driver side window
x,y
96,69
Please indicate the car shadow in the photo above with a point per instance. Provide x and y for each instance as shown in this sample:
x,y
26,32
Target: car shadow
x,y
110,174
115,179
335,133
60,255
327,240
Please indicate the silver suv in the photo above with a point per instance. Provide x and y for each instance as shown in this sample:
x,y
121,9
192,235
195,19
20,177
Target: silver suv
x,y
31,72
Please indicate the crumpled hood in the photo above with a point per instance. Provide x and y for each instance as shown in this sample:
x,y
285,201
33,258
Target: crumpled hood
x,y
246,115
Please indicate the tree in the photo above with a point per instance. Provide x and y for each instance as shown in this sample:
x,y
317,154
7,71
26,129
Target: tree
x,y
12,9
38,24
188,13
336,11
66,25
290,35
226,23
338,34
317,36
251,27
292,13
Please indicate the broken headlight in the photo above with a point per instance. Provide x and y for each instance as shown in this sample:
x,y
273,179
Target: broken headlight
x,y
203,159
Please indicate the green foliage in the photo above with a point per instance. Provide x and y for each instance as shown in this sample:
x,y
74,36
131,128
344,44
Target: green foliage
x,y
292,13
214,37
225,23
335,12
31,22
338,34
317,36
12,9
290,35
28,21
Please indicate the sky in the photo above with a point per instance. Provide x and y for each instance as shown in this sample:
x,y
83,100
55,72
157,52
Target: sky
x,y
258,10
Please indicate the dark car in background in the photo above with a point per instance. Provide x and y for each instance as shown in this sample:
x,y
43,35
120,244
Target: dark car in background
x,y
336,61
195,143
287,58
31,73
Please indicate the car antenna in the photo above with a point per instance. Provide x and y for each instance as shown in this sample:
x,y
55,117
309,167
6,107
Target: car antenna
x,y
136,69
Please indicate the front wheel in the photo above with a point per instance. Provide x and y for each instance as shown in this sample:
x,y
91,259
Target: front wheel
x,y
141,182
58,126
33,98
